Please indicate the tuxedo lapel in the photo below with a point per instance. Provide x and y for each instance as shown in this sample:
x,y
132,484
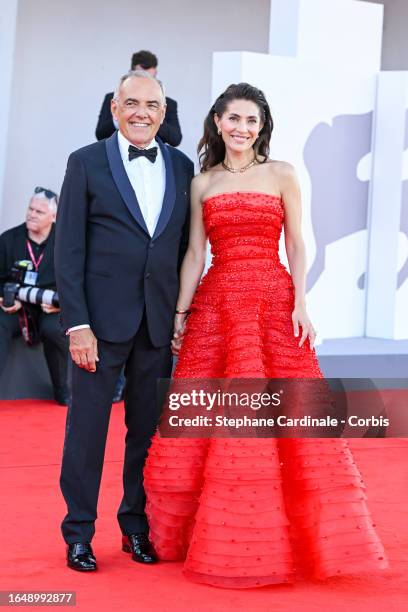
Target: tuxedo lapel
x,y
122,181
169,193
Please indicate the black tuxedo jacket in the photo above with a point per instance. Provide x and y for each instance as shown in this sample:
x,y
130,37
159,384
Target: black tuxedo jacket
x,y
13,246
169,131
108,268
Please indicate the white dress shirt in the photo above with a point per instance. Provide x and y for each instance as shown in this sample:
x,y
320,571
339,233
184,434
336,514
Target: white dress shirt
x,y
148,181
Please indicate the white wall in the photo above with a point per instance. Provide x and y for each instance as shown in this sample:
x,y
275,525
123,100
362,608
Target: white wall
x,y
8,18
69,54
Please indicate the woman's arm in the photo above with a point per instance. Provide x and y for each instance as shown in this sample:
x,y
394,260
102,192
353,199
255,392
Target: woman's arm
x,y
295,249
193,262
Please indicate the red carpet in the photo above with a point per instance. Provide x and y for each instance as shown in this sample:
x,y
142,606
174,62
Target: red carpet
x,y
32,551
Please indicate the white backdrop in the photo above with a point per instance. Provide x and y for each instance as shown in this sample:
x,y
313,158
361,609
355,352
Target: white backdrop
x,y
328,127
335,300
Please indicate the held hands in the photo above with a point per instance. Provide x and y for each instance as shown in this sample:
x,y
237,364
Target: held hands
x,y
301,319
84,349
179,330
17,305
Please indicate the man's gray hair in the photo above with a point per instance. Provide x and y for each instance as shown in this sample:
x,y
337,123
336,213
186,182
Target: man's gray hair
x,y
52,202
141,74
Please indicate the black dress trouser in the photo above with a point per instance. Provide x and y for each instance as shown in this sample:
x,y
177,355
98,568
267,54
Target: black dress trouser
x,y
87,428
55,344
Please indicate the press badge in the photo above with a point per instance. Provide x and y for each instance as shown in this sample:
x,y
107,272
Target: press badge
x,y
30,277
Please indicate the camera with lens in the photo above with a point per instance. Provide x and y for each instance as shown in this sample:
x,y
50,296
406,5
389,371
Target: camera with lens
x,y
22,288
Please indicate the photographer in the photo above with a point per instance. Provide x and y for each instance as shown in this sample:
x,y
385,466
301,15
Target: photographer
x,y
34,241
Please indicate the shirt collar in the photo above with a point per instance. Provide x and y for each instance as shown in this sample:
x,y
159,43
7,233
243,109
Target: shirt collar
x,y
38,244
124,144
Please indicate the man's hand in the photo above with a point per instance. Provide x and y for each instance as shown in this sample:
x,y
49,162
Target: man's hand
x,y
83,347
49,309
12,309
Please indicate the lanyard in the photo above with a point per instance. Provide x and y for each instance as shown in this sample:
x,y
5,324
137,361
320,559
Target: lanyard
x,y
36,262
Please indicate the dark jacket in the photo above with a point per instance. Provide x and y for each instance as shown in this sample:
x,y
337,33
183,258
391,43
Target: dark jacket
x,y
169,131
13,247
108,268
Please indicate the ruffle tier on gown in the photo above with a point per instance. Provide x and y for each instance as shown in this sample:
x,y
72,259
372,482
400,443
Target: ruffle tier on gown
x,y
251,512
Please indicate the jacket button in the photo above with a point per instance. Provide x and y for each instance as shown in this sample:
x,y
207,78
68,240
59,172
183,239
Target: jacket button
x,y
147,275
151,245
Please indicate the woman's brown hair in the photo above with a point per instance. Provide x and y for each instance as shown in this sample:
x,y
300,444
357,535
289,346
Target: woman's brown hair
x,y
211,148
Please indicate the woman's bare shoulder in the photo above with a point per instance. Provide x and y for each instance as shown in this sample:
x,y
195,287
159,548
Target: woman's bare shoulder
x,y
283,173
281,168
201,183
200,179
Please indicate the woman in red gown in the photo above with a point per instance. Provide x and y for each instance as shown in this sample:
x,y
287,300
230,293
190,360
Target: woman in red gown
x,y
251,512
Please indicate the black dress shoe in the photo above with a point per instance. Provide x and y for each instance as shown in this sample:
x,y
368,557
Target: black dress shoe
x,y
139,545
80,557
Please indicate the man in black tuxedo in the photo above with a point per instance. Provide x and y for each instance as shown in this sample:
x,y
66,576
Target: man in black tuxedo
x,y
122,230
169,131
34,241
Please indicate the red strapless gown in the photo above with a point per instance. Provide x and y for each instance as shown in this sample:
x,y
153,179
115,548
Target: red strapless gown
x,y
252,512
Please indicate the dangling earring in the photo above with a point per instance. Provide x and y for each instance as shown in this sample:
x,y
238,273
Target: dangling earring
x,y
219,132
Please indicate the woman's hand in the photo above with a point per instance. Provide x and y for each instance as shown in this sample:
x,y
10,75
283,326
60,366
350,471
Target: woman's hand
x,y
179,329
301,319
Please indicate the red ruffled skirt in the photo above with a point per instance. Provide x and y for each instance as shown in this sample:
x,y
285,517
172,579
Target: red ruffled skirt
x,y
246,512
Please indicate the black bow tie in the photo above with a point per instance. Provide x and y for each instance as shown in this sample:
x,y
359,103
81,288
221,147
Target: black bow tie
x,y
151,153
